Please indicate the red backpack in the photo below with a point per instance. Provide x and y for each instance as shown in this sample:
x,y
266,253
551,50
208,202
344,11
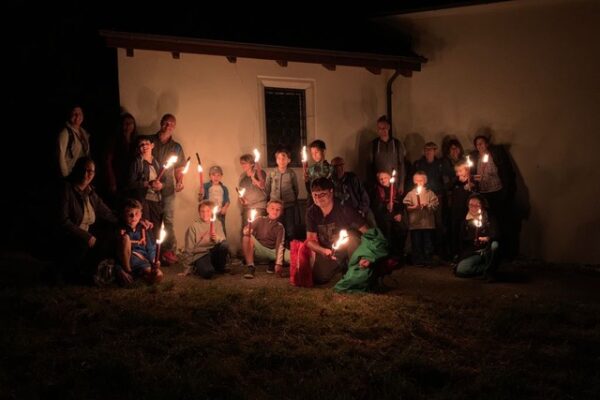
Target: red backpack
x,y
300,270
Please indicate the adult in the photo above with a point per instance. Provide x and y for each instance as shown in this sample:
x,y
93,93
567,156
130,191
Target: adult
x,y
387,154
73,141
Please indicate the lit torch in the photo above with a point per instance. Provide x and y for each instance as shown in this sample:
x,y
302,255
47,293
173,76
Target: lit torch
x,y
419,190
170,162
485,159
200,172
304,159
187,166
256,159
392,181
215,210
478,222
342,240
161,238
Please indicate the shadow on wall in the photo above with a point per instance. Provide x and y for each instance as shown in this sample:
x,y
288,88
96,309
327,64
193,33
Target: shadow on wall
x,y
363,144
414,143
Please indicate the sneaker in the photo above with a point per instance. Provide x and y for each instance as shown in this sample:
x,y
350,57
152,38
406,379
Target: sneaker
x,y
169,257
270,268
250,272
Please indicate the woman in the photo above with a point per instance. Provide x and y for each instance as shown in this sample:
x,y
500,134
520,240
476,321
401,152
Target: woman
x,y
478,241
84,242
73,142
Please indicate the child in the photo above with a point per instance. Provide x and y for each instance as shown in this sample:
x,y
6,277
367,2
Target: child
x,y
205,249
389,215
143,183
421,204
137,250
218,193
265,241
253,181
320,169
478,242
462,189
282,185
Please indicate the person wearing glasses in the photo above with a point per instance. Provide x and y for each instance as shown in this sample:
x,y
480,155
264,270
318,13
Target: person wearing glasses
x,y
324,221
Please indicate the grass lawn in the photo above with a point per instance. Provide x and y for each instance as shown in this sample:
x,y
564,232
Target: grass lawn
x,y
429,336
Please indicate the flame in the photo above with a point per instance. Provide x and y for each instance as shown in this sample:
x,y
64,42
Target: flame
x,y
342,239
163,234
215,210
253,213
187,167
393,178
419,189
170,162
241,192
469,162
199,168
304,155
478,222
486,158
256,155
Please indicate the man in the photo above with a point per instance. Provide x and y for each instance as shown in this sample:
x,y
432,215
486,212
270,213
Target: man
x,y
387,154
165,147
265,241
348,188
324,220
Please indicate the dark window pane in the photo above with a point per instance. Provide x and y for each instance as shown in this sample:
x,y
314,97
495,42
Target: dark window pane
x,y
286,122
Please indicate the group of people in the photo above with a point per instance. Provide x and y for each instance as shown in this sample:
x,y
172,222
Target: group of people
x,y
446,206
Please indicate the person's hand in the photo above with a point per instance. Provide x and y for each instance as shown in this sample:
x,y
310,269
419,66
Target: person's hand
x,y
484,239
125,277
201,192
398,217
243,201
156,185
92,241
328,253
364,263
179,186
147,224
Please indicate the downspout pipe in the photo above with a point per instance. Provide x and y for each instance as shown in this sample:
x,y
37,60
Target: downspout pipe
x,y
389,92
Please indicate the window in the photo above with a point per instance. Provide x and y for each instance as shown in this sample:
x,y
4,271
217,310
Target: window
x,y
285,120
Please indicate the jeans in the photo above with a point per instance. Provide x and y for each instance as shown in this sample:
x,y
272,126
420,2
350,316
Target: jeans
x,y
212,262
478,264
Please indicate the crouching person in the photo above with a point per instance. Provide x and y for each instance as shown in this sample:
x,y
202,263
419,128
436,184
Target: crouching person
x,y
205,247
264,240
478,240
137,250
324,221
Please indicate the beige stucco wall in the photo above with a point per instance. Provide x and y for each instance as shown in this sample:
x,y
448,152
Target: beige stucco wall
x,y
528,71
219,112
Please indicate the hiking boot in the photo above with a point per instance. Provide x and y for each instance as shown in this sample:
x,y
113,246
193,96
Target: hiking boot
x,y
271,268
169,258
250,272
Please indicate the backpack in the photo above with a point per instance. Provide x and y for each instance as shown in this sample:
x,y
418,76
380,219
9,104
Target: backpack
x,y
300,270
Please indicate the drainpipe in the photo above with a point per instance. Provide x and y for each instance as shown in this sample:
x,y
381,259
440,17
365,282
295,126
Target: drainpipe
x,y
389,98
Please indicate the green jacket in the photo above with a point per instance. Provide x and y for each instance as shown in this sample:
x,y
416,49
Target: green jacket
x,y
373,246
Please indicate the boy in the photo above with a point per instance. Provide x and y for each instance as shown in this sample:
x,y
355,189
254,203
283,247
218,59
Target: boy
x,y
137,250
205,249
143,183
253,180
265,241
282,185
421,204
215,191
320,169
389,215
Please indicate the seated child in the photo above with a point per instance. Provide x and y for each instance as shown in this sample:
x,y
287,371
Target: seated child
x,y
137,250
478,239
215,191
264,240
205,248
421,204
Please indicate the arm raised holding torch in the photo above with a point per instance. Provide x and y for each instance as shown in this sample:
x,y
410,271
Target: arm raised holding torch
x,y
170,162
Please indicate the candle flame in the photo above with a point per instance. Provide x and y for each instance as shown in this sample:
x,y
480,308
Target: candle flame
x,y
253,213
241,192
393,173
419,189
162,235
478,221
342,239
256,155
215,210
486,158
304,155
187,167
199,168
170,162
469,162
393,178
